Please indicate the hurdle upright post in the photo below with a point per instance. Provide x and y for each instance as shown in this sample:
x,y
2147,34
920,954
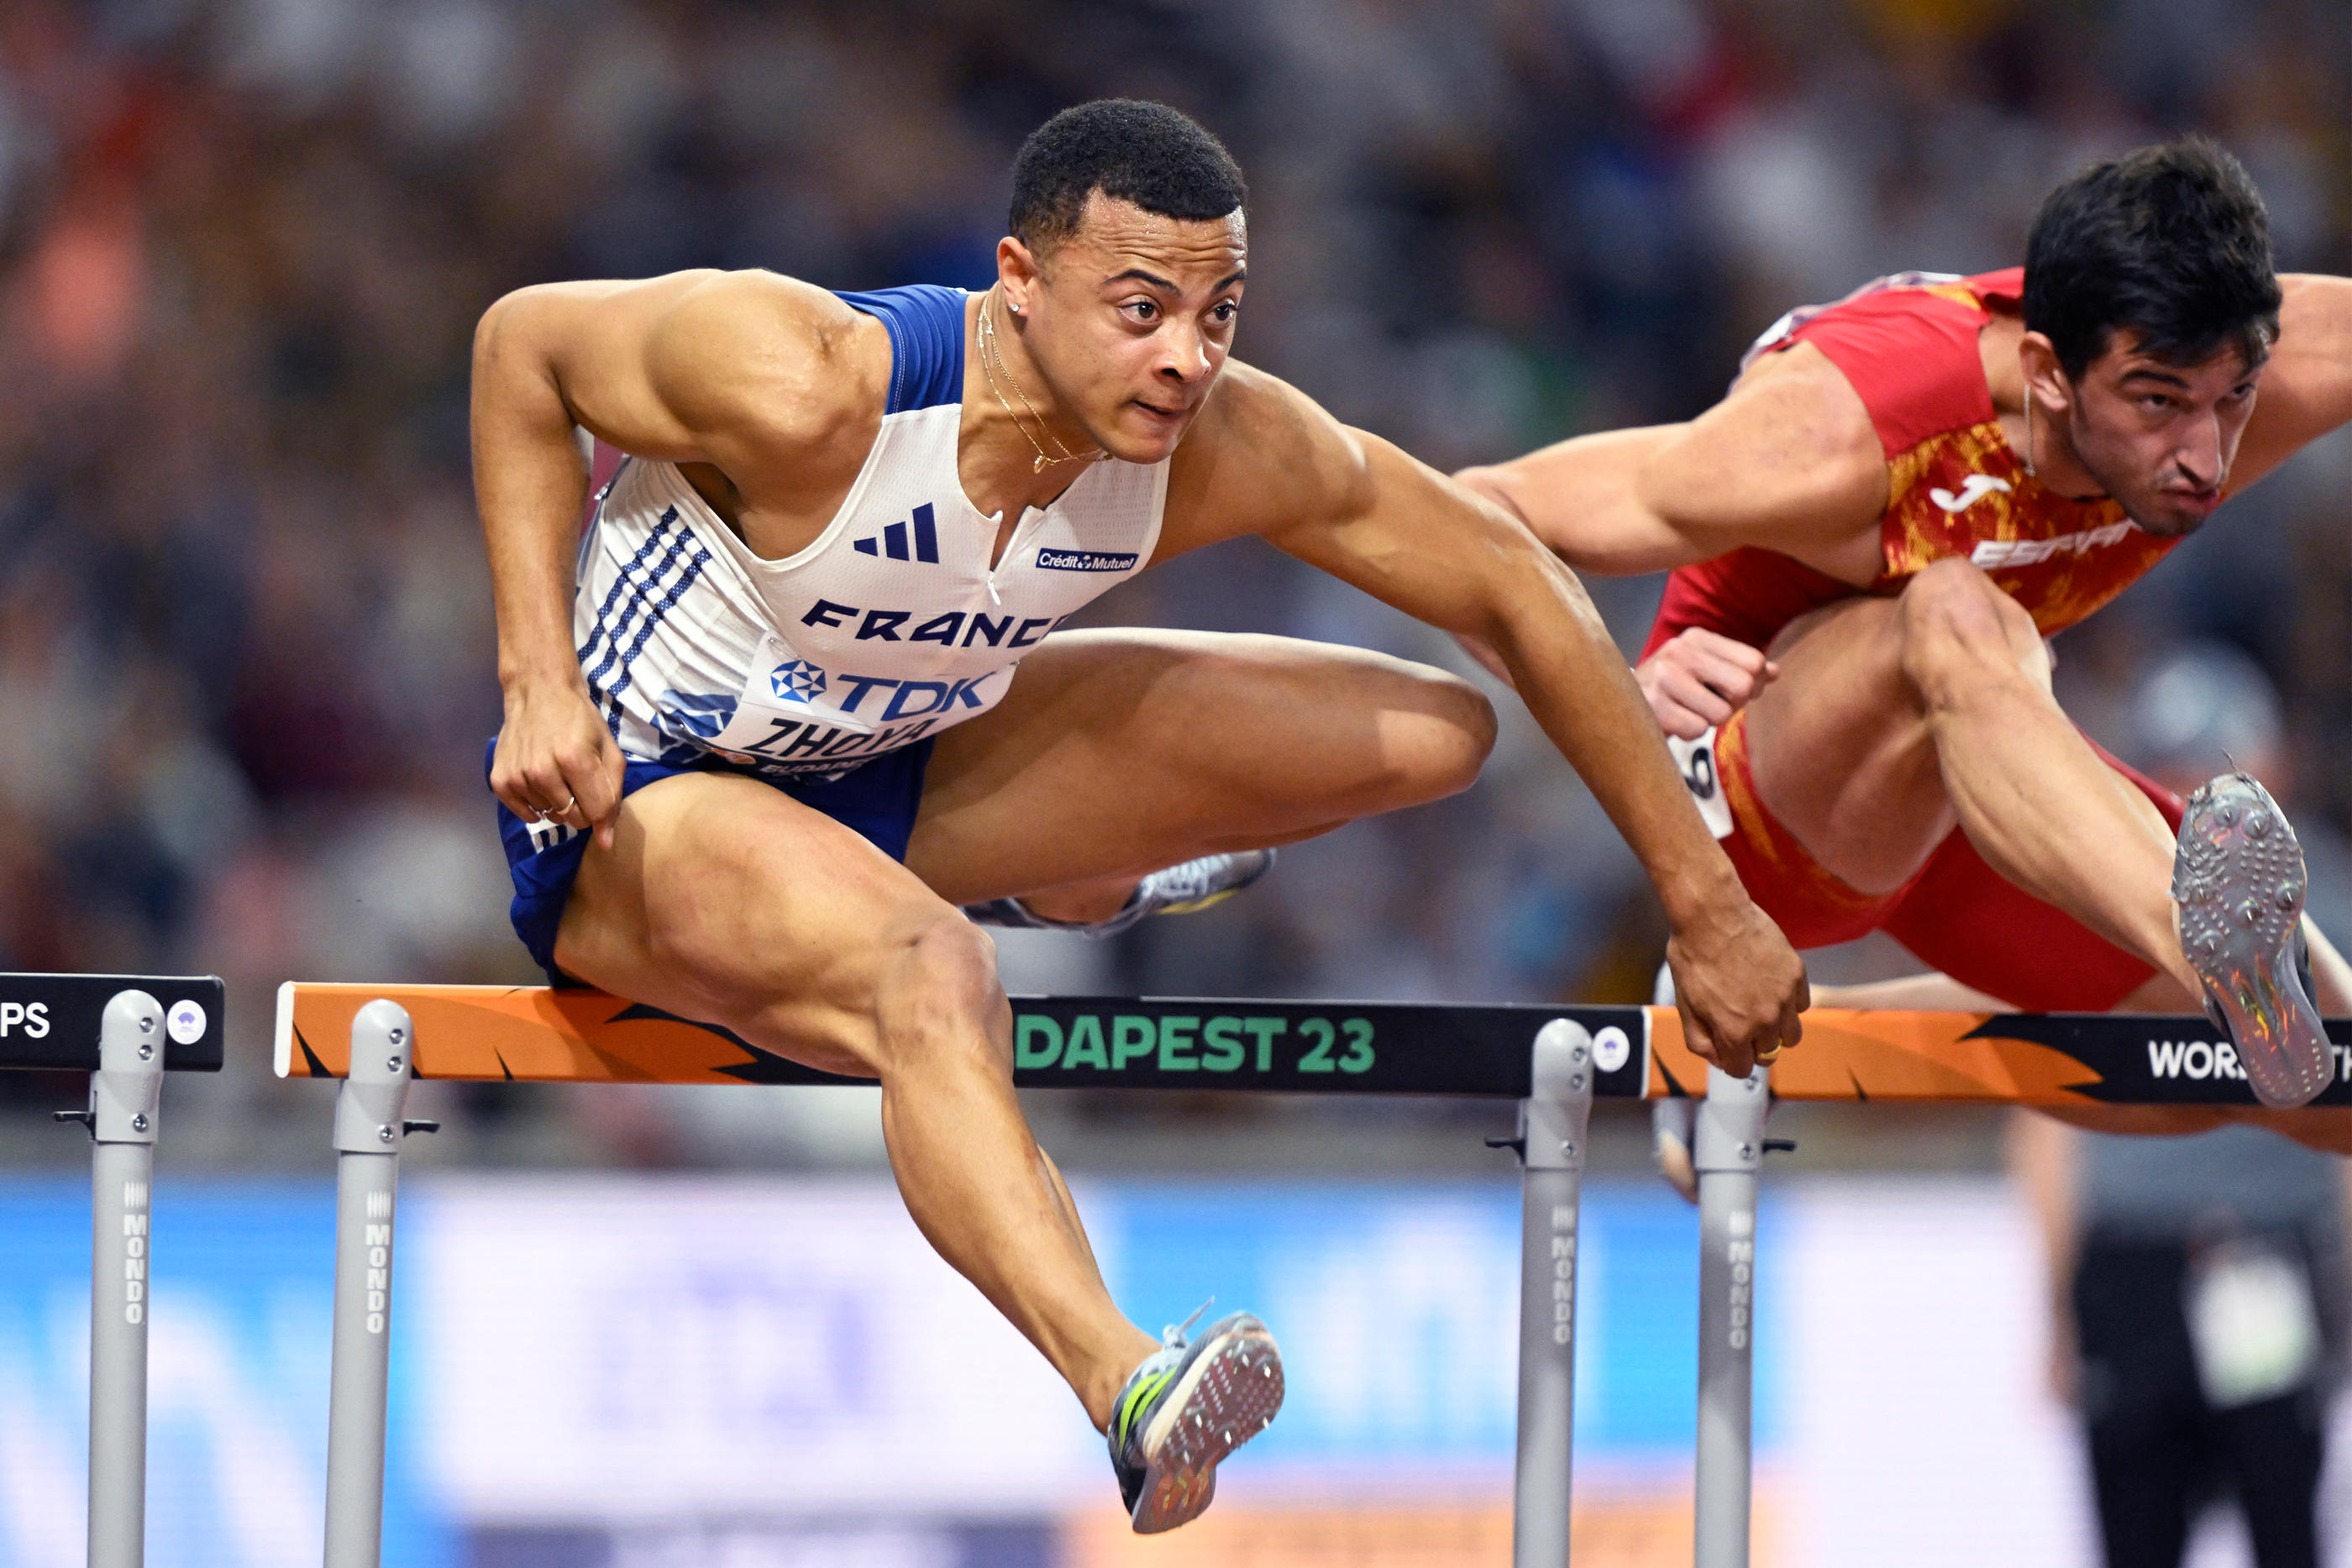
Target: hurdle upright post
x,y
125,1094
1728,1153
369,1133
1552,1125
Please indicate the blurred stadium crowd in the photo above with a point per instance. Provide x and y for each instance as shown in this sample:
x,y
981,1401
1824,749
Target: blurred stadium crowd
x,y
246,658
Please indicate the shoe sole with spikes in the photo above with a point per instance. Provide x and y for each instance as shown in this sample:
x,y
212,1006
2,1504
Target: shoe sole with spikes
x,y
1227,1394
2238,878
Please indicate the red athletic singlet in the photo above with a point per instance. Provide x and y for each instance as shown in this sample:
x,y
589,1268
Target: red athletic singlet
x,y
1908,345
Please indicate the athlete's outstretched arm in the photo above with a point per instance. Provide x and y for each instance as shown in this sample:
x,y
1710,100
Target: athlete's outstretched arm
x,y
697,367
1357,508
1789,461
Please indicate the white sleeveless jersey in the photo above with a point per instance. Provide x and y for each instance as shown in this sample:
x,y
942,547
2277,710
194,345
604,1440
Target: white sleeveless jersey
x,y
889,628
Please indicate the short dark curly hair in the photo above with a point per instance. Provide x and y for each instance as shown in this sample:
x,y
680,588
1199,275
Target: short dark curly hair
x,y
2169,242
1147,154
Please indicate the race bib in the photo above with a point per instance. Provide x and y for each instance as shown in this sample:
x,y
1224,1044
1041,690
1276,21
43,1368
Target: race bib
x,y
1695,761
785,708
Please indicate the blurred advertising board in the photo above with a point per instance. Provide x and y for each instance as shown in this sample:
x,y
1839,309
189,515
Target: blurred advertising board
x,y
628,1349
596,1370
236,1383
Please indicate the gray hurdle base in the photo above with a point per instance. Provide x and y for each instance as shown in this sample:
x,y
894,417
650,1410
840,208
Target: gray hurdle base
x,y
1553,1122
125,1093
369,1132
1728,1153
50,1022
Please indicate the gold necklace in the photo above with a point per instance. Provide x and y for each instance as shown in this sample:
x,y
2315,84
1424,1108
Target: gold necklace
x,y
992,363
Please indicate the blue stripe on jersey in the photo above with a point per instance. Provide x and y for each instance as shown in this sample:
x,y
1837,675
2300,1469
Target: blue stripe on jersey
x,y
640,585
660,612
925,323
625,582
641,599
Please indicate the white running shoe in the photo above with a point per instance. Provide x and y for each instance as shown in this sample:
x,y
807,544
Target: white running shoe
x,y
2238,879
1183,889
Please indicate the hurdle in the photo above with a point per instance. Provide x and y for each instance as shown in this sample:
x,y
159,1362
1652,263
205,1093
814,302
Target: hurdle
x,y
113,1028
1554,1062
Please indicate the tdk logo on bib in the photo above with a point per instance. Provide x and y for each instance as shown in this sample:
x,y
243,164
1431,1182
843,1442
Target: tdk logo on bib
x,y
796,680
1086,561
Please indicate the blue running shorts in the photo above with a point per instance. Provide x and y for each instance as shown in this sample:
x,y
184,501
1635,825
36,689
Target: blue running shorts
x,y
877,799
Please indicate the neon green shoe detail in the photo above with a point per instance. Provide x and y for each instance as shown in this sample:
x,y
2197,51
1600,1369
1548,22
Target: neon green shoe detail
x,y
1184,1409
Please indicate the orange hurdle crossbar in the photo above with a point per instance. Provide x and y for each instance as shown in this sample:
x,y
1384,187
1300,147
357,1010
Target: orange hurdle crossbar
x,y
532,1033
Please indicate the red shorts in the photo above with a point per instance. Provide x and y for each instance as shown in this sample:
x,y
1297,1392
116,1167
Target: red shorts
x,y
1957,915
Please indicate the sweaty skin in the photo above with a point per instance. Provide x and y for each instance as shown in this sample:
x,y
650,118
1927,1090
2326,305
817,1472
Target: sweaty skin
x,y
721,899
1879,723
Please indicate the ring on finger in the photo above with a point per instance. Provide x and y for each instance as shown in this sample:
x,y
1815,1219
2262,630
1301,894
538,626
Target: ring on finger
x,y
1772,1055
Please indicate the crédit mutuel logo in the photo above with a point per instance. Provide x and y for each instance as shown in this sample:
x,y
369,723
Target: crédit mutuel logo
x,y
1085,560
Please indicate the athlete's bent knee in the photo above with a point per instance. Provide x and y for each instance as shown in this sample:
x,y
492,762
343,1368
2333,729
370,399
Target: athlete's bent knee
x,y
1453,749
938,998
1963,637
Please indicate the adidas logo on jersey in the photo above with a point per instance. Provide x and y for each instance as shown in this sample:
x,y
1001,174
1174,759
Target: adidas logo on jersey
x,y
892,540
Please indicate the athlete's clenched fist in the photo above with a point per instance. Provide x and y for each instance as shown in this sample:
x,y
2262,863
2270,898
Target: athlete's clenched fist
x,y
1700,679
556,762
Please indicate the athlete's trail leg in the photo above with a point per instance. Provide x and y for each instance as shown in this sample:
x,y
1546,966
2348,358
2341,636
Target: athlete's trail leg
x,y
723,900
1118,752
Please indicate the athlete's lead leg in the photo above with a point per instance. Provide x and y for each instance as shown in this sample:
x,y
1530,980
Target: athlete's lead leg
x,y
724,899
2043,809
2040,806
1893,718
